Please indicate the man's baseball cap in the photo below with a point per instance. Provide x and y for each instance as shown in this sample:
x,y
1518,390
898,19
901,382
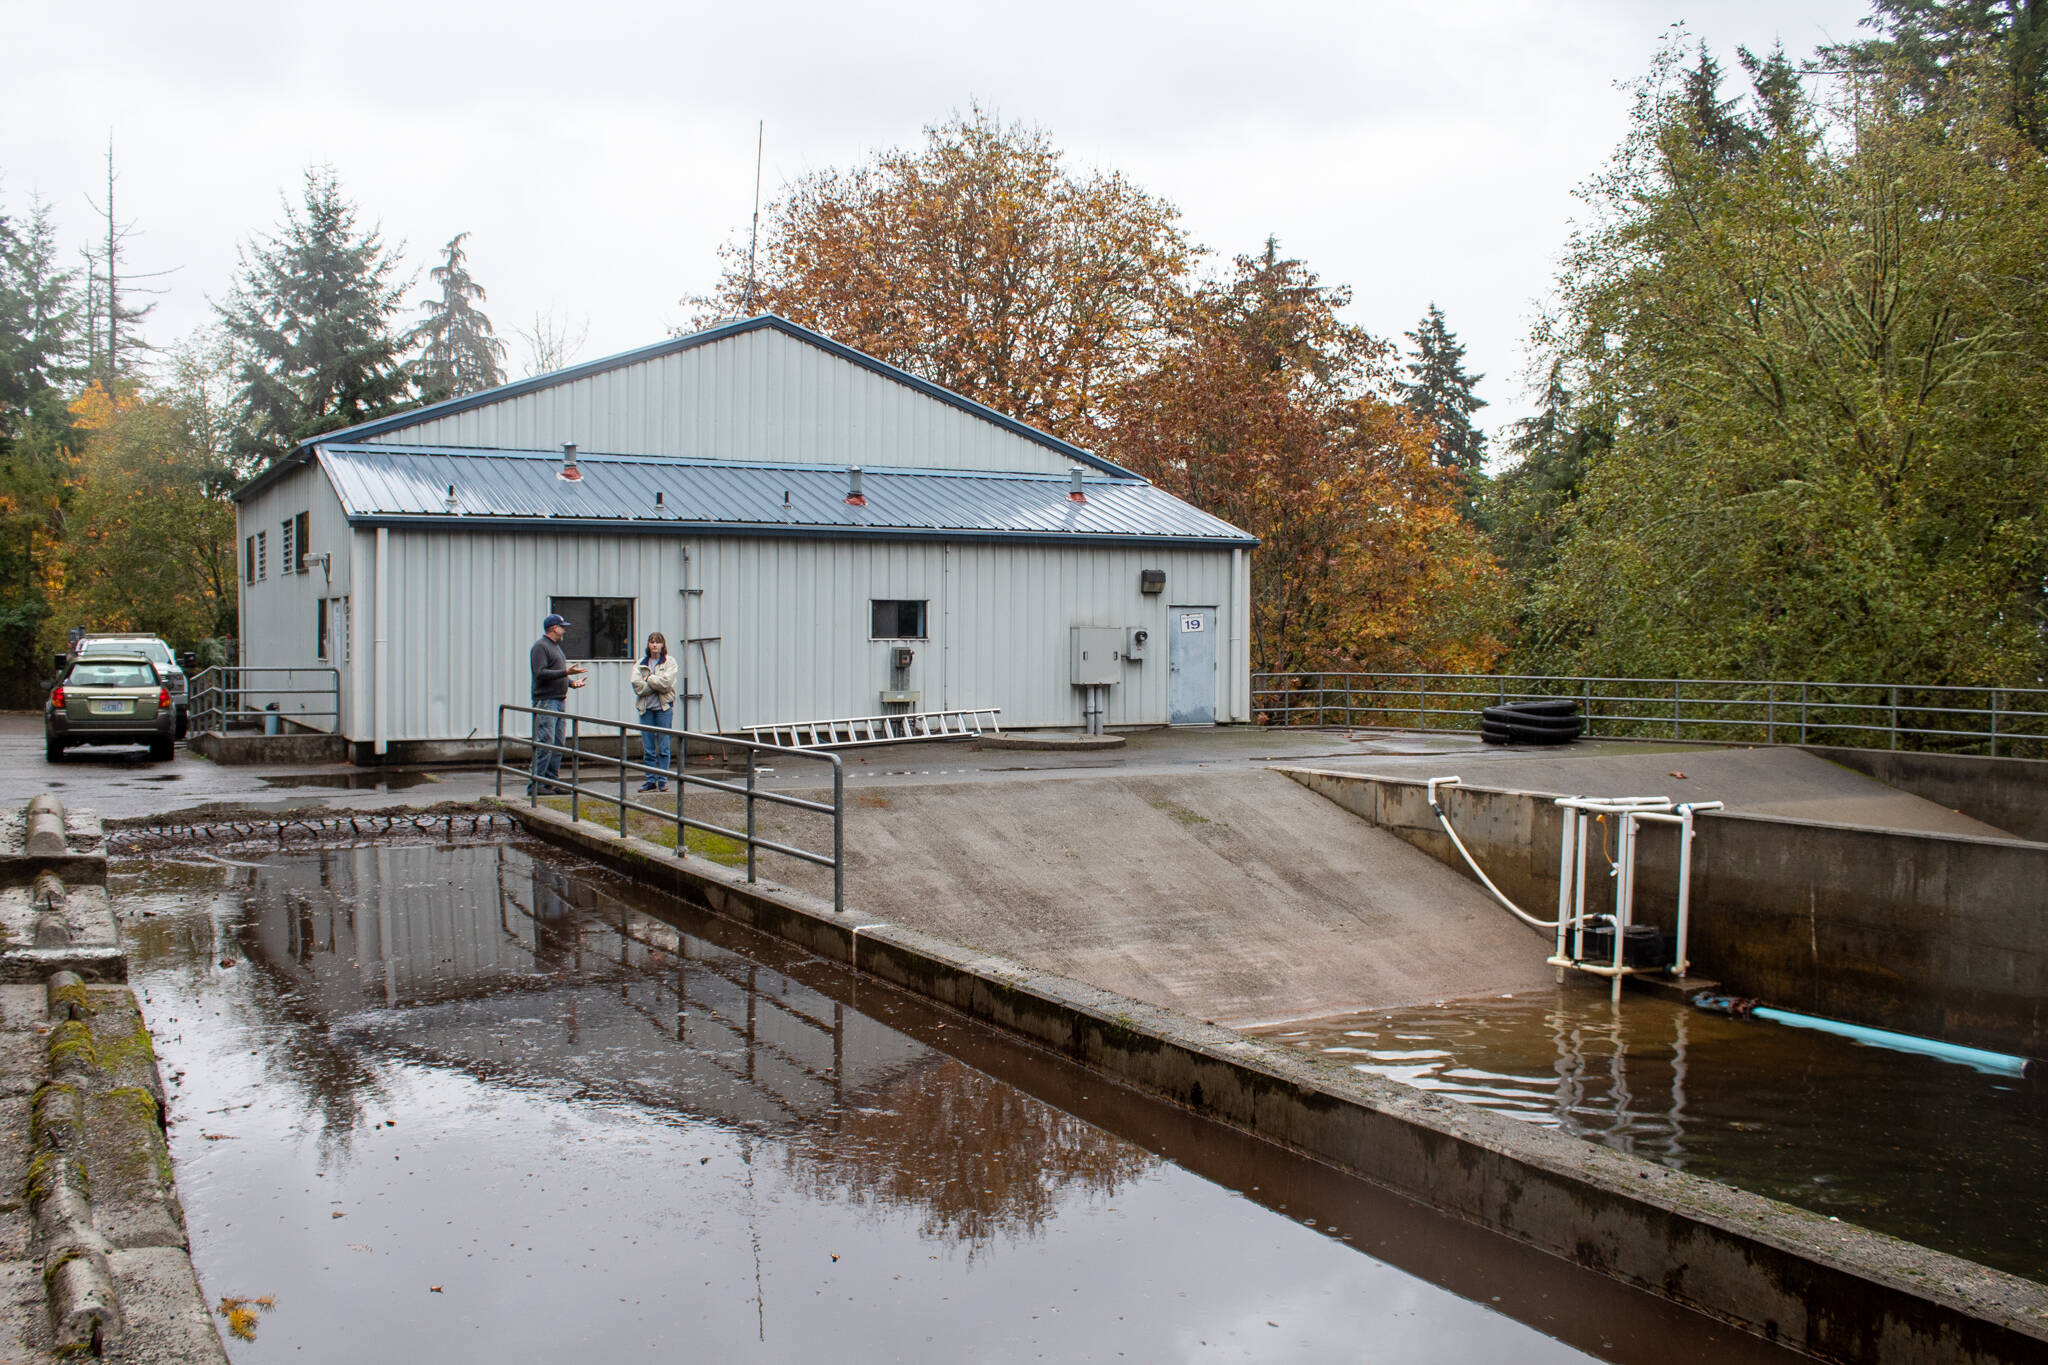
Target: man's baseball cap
x,y
554,621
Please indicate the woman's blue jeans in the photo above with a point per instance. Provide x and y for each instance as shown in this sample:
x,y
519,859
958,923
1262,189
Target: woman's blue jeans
x,y
654,743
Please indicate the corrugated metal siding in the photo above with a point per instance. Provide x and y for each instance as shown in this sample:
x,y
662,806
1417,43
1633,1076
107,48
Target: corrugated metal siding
x,y
763,395
792,620
396,481
279,615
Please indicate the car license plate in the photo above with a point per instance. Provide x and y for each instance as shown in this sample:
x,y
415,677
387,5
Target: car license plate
x,y
112,708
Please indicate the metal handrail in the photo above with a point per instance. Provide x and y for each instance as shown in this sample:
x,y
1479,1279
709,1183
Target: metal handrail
x,y
1940,716
575,789
216,694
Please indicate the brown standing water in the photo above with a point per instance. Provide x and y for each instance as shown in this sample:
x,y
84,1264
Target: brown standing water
x,y
1922,1149
479,1102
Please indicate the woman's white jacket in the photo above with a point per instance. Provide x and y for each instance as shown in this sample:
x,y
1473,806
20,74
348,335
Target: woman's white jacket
x,y
655,684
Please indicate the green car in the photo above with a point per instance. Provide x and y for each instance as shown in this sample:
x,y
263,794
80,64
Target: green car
x,y
109,699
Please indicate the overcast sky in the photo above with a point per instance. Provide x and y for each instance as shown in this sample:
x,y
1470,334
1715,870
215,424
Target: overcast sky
x,y
598,153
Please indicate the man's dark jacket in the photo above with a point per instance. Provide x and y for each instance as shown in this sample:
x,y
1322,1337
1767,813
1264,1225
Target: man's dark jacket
x,y
550,670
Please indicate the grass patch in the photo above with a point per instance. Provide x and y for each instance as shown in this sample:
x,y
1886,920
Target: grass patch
x,y
701,843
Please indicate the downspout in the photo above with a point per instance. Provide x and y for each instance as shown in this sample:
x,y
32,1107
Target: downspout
x,y
1240,638
358,661
382,679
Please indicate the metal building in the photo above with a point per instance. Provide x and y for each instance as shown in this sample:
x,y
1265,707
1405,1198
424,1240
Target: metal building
x,y
817,533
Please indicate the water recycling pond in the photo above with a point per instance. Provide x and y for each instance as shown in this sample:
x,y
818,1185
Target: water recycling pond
x,y
1922,1149
478,1101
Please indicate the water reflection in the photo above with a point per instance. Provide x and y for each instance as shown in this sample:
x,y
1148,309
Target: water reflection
x,y
1935,1153
525,972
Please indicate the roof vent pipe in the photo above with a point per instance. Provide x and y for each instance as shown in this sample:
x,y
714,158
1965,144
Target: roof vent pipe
x,y
658,500
454,504
1074,492
854,497
569,469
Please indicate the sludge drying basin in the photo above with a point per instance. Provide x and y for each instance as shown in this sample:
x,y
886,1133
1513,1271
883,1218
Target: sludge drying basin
x,y
485,1102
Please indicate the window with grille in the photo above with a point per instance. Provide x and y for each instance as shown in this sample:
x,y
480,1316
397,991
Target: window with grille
x,y
284,539
262,567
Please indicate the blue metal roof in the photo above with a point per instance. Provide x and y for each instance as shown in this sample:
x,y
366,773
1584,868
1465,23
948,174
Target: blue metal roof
x,y
409,485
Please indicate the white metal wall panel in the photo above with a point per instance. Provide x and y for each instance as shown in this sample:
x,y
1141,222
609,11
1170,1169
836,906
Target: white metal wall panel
x,y
763,395
791,620
279,613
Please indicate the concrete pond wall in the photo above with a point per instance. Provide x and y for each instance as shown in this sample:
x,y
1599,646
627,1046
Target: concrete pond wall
x,y
1832,1290
1940,935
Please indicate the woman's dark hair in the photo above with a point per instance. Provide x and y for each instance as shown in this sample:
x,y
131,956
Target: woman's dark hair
x,y
652,636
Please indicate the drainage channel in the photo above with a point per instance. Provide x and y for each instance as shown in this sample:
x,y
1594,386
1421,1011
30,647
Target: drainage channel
x,y
475,1101
1926,1150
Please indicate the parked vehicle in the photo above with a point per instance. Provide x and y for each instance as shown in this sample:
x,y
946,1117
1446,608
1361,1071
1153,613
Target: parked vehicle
x,y
169,666
108,698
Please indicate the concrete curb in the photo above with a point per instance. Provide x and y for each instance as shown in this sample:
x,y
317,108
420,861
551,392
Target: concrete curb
x,y
1832,1290
78,1283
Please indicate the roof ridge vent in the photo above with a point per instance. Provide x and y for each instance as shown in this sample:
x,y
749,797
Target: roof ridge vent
x,y
570,472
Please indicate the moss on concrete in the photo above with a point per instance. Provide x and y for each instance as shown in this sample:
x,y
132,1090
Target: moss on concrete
x,y
71,1046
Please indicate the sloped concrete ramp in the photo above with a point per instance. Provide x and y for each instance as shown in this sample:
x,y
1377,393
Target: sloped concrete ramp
x,y
1238,897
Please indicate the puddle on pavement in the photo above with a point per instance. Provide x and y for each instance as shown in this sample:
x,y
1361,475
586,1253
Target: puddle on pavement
x,y
1925,1150
362,780
527,1109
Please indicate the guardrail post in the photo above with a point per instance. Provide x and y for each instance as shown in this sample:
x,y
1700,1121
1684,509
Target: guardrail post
x,y
575,768
1586,704
750,814
1675,685
1895,716
1422,701
1802,713
1994,722
622,783
1771,713
500,773
838,837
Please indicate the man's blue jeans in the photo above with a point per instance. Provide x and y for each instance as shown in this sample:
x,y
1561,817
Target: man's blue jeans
x,y
547,729
654,744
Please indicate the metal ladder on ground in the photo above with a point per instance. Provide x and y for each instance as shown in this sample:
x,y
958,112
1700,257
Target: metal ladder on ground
x,y
850,731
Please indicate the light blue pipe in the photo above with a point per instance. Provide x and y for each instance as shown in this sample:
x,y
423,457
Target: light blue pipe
x,y
1993,1063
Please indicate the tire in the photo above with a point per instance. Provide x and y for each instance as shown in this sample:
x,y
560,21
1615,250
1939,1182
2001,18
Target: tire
x,y
160,751
53,749
1516,720
1512,732
1541,706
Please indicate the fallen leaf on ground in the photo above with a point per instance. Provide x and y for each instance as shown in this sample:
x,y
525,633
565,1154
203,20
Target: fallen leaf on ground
x,y
433,1289
1679,776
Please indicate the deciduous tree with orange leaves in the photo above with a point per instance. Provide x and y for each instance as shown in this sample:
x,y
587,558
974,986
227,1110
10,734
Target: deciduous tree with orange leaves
x,y
981,261
1271,412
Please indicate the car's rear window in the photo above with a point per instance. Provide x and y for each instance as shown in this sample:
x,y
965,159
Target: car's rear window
x,y
156,651
110,675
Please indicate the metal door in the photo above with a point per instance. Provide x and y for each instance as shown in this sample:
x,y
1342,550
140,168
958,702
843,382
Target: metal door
x,y
1191,695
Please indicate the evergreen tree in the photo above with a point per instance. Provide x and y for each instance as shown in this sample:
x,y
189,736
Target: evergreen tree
x,y
1946,49
114,345
1440,392
312,312
39,344
1715,127
1780,103
459,352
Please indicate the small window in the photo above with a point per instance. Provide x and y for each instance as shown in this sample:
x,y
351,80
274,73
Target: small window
x,y
898,620
599,627
249,560
262,568
289,564
300,549
320,631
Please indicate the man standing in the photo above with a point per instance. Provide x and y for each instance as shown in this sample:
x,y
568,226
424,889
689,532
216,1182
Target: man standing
x,y
553,676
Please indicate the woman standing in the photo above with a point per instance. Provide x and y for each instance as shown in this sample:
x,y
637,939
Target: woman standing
x,y
654,684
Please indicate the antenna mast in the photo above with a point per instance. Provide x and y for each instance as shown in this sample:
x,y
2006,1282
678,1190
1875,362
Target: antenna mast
x,y
754,235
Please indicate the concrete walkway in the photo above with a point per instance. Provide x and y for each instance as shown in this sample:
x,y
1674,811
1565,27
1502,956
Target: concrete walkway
x,y
1759,781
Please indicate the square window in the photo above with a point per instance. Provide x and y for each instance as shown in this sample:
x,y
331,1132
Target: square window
x,y
599,627
895,619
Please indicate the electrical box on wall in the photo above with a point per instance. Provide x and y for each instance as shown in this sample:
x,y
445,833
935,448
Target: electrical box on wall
x,y
1151,580
1096,653
900,658
1134,643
